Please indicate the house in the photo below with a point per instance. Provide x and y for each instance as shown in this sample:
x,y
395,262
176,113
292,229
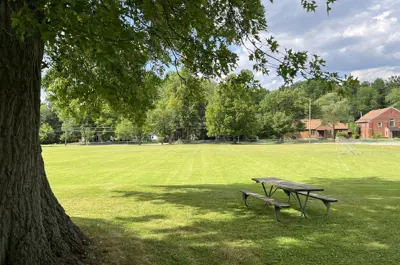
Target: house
x,y
384,122
320,130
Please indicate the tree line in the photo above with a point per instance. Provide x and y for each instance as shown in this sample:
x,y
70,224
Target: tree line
x,y
186,107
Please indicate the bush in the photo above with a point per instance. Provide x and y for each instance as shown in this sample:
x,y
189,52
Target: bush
x,y
356,136
342,134
161,139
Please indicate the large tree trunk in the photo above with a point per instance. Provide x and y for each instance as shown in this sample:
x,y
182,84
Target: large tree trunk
x,y
34,229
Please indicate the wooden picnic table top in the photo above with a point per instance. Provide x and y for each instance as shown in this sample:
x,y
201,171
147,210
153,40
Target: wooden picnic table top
x,y
287,185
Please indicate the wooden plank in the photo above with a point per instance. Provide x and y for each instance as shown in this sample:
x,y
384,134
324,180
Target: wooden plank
x,y
266,199
287,185
319,196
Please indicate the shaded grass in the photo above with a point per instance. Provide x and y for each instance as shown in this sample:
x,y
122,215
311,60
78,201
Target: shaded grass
x,y
181,204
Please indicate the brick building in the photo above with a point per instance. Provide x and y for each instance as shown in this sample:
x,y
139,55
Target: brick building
x,y
384,122
319,130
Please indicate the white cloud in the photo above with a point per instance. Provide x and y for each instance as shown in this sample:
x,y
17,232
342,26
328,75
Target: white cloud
x,y
383,16
375,7
359,37
374,73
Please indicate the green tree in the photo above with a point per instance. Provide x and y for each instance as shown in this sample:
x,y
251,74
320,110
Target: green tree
x,y
392,82
367,99
91,120
313,88
334,109
68,130
380,87
232,110
352,90
354,128
87,133
126,129
281,124
50,117
105,122
103,51
46,133
394,97
162,122
215,115
185,94
281,111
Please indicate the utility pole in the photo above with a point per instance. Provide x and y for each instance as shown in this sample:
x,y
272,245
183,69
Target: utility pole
x,y
309,122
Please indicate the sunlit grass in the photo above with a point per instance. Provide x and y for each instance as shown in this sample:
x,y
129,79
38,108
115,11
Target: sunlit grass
x,y
181,204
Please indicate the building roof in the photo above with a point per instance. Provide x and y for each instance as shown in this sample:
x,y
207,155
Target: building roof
x,y
373,114
316,124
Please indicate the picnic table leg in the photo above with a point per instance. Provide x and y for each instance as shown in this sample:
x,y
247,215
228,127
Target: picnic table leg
x,y
288,194
265,190
303,207
277,211
300,204
305,204
244,196
271,190
328,206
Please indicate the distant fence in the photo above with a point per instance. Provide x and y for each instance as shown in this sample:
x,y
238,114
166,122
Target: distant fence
x,y
252,141
380,140
114,143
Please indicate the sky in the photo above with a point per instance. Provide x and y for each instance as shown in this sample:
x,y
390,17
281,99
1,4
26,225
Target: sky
x,y
358,37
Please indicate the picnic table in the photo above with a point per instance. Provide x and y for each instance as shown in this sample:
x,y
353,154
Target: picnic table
x,y
292,189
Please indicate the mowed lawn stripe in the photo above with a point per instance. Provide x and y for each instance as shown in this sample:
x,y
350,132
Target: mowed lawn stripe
x,y
180,204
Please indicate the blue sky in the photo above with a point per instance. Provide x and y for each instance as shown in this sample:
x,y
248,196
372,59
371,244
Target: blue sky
x,y
361,37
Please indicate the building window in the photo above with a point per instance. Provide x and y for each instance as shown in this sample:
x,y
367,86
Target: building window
x,y
312,132
379,124
391,123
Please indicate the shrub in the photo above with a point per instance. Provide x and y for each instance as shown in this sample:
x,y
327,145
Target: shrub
x,y
161,139
354,128
342,134
356,136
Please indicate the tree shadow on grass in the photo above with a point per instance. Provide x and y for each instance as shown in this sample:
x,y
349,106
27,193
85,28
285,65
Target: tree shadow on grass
x,y
357,196
140,219
362,228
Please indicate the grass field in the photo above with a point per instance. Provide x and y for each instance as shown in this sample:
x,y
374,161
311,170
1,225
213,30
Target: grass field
x,y
181,204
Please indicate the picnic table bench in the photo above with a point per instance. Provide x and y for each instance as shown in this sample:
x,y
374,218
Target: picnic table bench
x,y
292,189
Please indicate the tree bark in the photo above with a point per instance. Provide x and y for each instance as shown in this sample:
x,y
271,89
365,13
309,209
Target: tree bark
x,y
34,228
333,132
